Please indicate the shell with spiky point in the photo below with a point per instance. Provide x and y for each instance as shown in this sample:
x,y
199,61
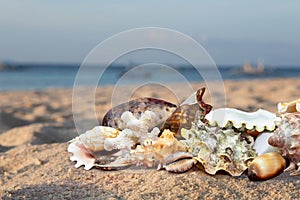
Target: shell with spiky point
x,y
184,115
218,149
287,139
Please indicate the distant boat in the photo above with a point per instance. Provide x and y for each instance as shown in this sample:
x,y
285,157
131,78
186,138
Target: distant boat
x,y
249,69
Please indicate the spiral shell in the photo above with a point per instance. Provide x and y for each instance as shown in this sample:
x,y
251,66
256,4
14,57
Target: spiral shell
x,y
287,139
187,113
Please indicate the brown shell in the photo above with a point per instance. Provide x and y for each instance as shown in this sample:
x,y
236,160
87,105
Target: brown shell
x,y
186,114
160,107
266,166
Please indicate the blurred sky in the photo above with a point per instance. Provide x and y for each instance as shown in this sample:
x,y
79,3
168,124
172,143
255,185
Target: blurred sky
x,y
233,32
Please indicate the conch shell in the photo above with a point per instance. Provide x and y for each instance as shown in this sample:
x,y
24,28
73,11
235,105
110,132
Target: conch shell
x,y
187,113
260,120
287,139
85,146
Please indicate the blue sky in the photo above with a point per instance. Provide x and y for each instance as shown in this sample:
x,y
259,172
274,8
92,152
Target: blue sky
x,y
233,32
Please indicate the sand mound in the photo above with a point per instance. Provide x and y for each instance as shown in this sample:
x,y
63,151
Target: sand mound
x,y
34,162
37,134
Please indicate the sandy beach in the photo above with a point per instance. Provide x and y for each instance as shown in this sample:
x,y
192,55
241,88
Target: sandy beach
x,y
34,163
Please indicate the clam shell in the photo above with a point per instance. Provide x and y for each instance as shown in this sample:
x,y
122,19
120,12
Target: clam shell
x,y
260,120
217,149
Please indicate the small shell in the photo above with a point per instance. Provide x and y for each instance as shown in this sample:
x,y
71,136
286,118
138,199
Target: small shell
x,y
266,166
289,107
179,162
260,120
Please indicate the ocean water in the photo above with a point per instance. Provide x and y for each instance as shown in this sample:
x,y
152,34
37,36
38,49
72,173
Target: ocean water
x,y
36,77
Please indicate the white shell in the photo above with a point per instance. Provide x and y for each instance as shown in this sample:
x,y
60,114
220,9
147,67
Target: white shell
x,y
260,120
94,139
293,106
81,156
261,144
83,146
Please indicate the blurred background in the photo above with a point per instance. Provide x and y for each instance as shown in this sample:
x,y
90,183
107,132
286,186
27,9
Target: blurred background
x,y
43,43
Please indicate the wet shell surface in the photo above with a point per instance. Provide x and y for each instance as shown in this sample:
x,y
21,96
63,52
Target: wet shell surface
x,y
217,149
266,166
185,114
289,107
137,107
260,120
287,139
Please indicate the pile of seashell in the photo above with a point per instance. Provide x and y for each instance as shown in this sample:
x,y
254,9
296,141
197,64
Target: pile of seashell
x,y
151,132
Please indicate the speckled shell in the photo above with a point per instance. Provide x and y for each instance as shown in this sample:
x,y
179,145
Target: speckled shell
x,y
260,120
287,139
218,149
161,108
184,115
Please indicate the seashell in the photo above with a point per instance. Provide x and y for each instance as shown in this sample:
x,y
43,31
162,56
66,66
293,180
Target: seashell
x,y
88,147
179,162
85,146
260,120
266,166
94,139
137,107
289,107
217,149
187,113
261,144
153,152
287,139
